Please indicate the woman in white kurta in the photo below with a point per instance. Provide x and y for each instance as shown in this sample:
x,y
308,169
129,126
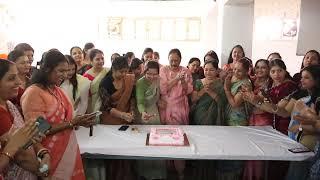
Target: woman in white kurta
x,y
77,88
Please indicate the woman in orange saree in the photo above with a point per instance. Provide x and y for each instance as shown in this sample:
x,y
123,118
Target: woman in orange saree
x,y
44,98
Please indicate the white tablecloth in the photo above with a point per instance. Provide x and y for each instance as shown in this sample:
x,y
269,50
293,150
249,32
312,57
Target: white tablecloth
x,y
206,142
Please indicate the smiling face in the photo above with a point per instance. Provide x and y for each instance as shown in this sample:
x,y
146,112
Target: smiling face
x,y
98,61
9,84
71,71
152,74
210,71
311,58
58,74
194,66
239,72
174,60
23,65
237,54
261,70
77,55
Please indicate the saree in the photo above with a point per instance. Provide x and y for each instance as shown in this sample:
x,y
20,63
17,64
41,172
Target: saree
x,y
84,69
254,170
300,170
147,95
80,101
235,116
278,169
12,120
177,109
119,99
94,101
207,111
238,116
55,106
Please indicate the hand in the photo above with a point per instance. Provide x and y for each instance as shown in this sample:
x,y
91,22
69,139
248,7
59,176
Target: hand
x,y
180,76
307,112
146,117
45,161
250,97
85,120
127,116
227,82
294,128
21,137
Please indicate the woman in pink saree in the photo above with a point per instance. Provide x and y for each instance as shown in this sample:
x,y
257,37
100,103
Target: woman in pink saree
x,y
45,98
175,86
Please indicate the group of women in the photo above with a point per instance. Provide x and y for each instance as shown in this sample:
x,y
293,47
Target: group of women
x,y
66,87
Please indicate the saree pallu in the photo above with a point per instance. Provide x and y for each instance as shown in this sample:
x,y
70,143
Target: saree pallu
x,y
13,171
120,100
63,147
94,102
207,111
239,116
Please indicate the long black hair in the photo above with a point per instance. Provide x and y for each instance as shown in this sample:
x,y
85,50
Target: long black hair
x,y
51,60
314,70
4,67
212,54
73,79
311,51
145,51
280,63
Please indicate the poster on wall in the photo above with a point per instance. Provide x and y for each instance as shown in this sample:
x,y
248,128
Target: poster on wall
x,y
289,29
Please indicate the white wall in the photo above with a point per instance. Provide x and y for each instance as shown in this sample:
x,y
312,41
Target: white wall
x,y
63,24
267,41
237,29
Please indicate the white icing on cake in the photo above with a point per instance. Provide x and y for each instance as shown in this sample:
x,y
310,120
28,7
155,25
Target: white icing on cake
x,y
166,136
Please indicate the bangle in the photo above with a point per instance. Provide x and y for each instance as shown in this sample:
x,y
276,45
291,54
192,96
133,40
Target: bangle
x,y
8,155
42,152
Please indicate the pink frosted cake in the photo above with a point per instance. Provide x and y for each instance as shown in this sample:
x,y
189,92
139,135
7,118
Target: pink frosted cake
x,y
166,136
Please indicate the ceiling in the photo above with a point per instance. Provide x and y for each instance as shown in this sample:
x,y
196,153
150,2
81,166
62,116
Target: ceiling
x,y
239,2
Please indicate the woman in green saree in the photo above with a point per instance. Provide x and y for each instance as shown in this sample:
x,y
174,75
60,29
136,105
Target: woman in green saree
x,y
147,95
208,106
208,98
237,113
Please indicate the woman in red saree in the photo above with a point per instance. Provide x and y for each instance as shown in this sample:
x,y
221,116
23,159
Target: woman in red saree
x,y
45,98
281,87
254,169
25,164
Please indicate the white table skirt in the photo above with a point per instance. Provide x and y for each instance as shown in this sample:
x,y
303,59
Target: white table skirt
x,y
206,142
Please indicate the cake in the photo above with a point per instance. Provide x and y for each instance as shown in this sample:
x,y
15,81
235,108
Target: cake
x,y
166,136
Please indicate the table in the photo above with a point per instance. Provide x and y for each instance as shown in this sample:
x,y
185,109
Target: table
x,y
206,142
